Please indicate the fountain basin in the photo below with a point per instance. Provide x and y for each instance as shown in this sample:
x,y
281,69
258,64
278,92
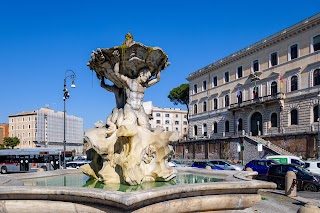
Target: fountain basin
x,y
237,192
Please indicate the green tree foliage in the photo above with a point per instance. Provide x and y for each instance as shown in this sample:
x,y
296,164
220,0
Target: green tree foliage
x,y
11,142
180,95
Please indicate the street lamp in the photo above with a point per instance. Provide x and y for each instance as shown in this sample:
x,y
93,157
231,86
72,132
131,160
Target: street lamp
x,y
66,95
318,96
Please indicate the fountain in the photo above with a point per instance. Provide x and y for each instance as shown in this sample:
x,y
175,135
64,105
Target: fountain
x,y
125,151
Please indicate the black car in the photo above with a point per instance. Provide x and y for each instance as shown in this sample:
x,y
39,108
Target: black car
x,y
305,180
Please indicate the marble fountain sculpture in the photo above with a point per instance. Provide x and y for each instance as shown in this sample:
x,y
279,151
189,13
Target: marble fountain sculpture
x,y
125,150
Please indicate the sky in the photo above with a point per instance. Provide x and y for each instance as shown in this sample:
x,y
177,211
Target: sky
x,y
41,40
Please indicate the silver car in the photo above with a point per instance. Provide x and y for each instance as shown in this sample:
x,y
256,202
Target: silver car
x,y
226,165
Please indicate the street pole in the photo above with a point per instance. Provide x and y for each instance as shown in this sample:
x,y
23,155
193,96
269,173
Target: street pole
x,y
66,95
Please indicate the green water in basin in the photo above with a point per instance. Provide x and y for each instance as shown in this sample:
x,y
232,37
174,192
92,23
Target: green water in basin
x,y
81,180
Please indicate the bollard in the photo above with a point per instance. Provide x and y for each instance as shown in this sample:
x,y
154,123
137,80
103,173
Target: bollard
x,y
249,170
309,208
208,167
290,184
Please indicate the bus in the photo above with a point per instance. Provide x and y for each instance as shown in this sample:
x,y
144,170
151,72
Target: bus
x,y
29,159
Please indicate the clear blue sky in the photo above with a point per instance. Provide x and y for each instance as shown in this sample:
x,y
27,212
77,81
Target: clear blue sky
x,y
40,40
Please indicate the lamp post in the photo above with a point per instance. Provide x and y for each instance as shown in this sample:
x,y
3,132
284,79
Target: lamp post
x,y
318,96
66,95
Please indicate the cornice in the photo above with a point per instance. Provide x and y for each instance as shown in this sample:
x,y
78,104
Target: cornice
x,y
298,28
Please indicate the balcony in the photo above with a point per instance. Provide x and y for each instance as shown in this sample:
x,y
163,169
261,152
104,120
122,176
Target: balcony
x,y
257,101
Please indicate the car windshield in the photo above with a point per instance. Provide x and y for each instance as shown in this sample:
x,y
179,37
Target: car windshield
x,y
303,170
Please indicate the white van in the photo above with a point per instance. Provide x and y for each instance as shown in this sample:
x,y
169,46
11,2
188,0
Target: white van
x,y
286,159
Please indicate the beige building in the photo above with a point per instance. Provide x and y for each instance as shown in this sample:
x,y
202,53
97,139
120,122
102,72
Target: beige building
x,y
268,88
44,128
170,119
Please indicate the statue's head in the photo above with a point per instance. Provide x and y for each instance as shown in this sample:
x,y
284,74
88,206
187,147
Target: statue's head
x,y
129,36
144,75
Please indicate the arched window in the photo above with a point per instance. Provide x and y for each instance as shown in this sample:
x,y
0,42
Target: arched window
x,y
316,77
274,120
226,101
315,113
294,117
226,126
240,124
204,106
239,97
294,83
215,103
215,127
274,88
205,131
195,109
195,130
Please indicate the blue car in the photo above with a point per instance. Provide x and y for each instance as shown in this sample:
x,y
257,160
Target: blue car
x,y
261,166
204,164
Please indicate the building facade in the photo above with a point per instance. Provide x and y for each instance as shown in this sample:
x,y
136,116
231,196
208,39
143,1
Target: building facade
x,y
270,88
4,131
170,119
45,128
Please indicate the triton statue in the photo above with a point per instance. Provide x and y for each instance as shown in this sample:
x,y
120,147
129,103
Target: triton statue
x,y
125,150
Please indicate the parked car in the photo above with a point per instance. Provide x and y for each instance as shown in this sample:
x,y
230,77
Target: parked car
x,y
175,163
286,159
203,165
313,166
305,180
261,166
76,164
226,165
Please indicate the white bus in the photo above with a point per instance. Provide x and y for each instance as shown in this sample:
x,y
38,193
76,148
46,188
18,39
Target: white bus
x,y
29,159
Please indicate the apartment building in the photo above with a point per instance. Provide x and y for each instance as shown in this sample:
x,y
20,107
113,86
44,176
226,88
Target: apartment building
x,y
4,131
270,88
170,119
45,128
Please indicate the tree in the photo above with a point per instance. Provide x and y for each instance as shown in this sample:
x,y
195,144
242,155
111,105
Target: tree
x,y
180,95
11,142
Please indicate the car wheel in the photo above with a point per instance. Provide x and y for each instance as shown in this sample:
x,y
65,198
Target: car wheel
x,y
280,184
310,187
4,170
44,168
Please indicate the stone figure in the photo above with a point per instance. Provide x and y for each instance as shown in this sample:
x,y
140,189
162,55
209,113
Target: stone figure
x,y
125,150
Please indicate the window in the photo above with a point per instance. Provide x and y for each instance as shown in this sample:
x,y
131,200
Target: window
x,y
294,83
294,117
184,129
239,96
273,59
239,72
195,130
316,77
215,103
11,119
226,126
167,115
184,116
158,114
204,85
226,77
315,113
255,92
176,122
205,131
29,127
255,65
177,115
293,51
195,109
177,129
274,120
274,88
28,118
22,126
195,89
11,127
167,128
240,124
204,106
215,127
215,81
185,123
316,43
158,122
167,122
226,101
29,134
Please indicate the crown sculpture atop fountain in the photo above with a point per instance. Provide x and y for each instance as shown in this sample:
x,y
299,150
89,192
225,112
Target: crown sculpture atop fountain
x,y
125,150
